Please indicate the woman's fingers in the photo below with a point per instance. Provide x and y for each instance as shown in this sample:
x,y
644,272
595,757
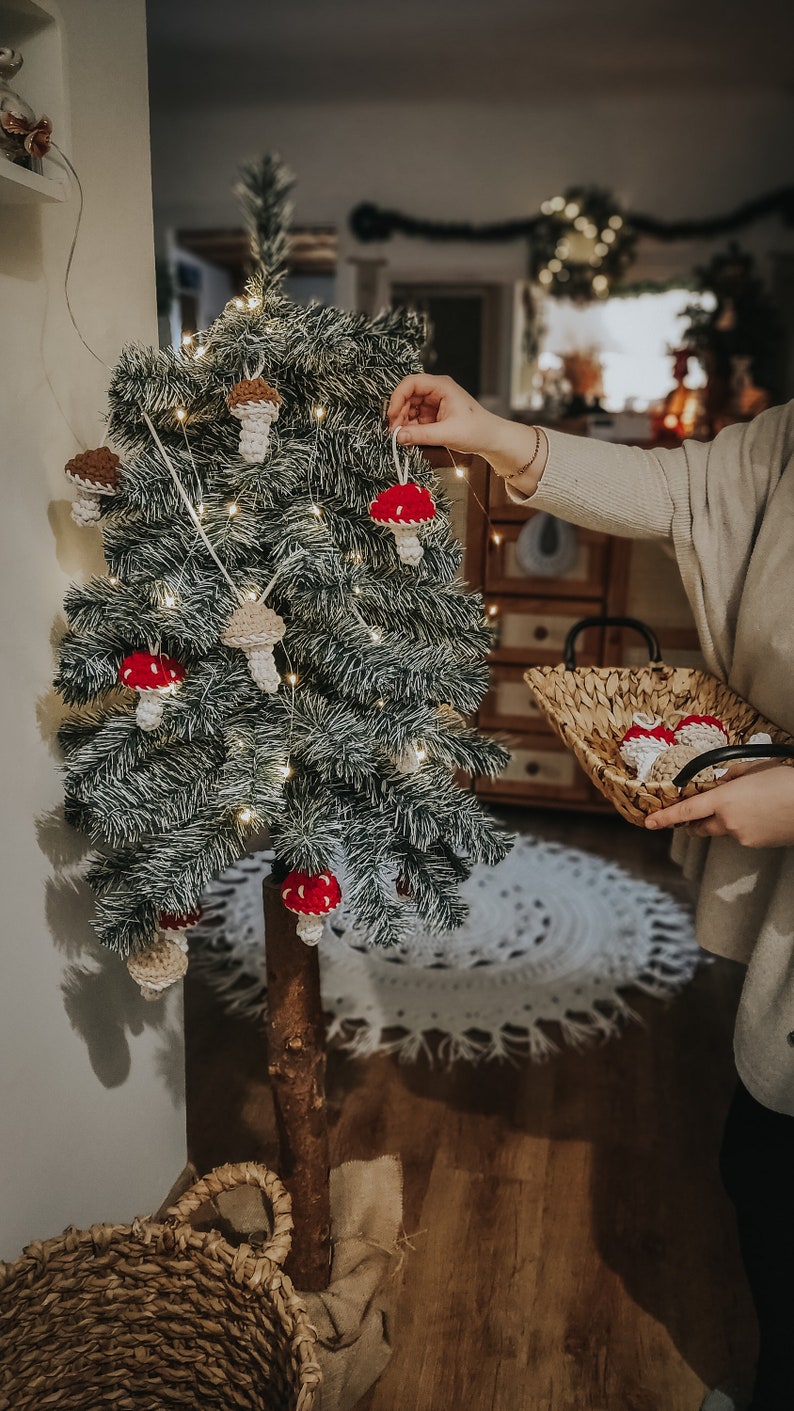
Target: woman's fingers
x,y
424,433
692,810
416,390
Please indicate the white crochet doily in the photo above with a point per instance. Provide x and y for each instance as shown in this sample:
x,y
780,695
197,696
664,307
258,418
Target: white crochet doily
x,y
553,938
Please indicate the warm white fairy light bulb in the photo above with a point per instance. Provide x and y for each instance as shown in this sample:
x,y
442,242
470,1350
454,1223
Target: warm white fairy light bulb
x,y
381,704
169,600
201,510
200,351
615,222
254,301
460,471
545,276
493,610
232,509
245,815
376,634
286,771
180,414
571,210
292,678
114,582
496,539
239,303
187,339
421,752
316,510
356,590
319,412
252,595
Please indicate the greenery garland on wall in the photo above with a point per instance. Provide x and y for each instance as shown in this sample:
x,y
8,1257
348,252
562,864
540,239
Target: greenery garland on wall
x,y
581,243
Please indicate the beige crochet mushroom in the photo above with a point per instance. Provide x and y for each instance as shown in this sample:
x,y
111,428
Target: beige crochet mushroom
x,y
255,628
158,967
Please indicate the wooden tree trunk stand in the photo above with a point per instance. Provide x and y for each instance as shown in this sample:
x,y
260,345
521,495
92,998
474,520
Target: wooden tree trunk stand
x,y
296,1040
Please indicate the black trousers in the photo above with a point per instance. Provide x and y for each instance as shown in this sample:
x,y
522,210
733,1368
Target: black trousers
x,y
757,1167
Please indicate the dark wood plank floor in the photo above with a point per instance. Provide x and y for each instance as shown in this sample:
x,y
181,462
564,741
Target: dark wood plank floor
x,y
573,1248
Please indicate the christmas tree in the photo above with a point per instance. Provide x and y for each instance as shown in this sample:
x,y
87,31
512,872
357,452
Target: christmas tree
x,y
282,641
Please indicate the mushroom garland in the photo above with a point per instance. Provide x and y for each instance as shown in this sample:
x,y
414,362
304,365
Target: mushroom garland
x,y
311,898
256,629
255,404
96,474
154,677
404,509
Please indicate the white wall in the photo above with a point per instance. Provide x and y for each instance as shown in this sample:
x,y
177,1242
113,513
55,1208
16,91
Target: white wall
x,y
91,1098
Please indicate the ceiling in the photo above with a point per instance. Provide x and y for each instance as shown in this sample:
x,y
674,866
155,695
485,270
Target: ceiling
x,y
243,52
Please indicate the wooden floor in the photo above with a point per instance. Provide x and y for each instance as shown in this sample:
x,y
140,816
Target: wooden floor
x,y
573,1248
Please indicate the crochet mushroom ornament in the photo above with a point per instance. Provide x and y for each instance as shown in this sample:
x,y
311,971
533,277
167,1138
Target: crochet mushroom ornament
x,y
704,732
643,742
311,898
96,475
256,628
158,967
404,509
154,677
255,404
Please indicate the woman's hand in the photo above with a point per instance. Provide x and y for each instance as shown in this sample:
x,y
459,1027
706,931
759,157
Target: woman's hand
x,y
754,806
435,411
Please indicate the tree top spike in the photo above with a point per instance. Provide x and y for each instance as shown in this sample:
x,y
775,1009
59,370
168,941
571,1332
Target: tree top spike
x,y
263,191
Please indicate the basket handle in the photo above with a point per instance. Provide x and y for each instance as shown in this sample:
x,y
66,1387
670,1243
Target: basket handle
x,y
729,752
229,1178
651,640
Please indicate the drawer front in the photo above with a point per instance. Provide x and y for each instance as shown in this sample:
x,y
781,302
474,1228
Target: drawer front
x,y
531,631
509,703
540,770
504,574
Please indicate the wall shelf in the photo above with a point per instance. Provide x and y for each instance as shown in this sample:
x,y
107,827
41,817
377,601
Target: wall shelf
x,y
33,27
20,187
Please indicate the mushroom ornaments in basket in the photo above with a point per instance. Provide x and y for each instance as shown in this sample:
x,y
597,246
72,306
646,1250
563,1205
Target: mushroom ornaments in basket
x,y
255,629
311,898
255,404
154,677
404,509
96,474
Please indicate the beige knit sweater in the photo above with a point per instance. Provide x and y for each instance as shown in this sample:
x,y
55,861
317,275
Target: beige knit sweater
x,y
727,507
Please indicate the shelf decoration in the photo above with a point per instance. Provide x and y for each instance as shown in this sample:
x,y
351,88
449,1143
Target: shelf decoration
x,y
24,138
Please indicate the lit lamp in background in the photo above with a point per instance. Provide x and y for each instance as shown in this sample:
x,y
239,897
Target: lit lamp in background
x,y
680,411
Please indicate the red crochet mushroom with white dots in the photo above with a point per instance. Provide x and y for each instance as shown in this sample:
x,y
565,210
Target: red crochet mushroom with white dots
x,y
154,677
310,897
404,509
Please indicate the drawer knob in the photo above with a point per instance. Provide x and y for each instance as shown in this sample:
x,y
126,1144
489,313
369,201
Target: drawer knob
x,y
541,633
532,768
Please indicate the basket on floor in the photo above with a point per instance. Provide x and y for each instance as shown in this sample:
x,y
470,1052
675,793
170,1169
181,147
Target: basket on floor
x,y
160,1313
591,707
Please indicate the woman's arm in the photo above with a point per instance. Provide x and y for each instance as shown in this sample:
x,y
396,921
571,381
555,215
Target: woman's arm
x,y
616,489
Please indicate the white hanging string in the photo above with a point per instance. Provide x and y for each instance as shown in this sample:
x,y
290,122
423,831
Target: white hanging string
x,y
402,470
241,597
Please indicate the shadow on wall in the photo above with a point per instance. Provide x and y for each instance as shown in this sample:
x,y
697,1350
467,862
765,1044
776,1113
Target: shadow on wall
x,y
102,1002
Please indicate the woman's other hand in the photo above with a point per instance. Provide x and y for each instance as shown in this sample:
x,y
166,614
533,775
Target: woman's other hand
x,y
754,806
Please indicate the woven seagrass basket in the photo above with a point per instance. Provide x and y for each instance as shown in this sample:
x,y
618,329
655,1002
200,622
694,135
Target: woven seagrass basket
x,y
591,707
159,1313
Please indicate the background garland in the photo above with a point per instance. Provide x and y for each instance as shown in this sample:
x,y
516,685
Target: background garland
x,y
369,222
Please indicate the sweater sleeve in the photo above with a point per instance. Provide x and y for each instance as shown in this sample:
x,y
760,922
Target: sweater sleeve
x,y
707,498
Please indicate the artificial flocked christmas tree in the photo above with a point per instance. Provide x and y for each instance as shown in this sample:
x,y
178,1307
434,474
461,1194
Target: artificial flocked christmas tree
x,y
282,640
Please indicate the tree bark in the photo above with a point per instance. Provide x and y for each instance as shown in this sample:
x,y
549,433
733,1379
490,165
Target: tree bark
x,y
296,1039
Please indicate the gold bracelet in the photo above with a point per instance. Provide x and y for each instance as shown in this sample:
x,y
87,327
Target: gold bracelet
x,y
532,458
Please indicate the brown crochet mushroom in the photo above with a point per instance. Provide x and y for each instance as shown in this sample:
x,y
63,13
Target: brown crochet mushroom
x,y
255,404
95,473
